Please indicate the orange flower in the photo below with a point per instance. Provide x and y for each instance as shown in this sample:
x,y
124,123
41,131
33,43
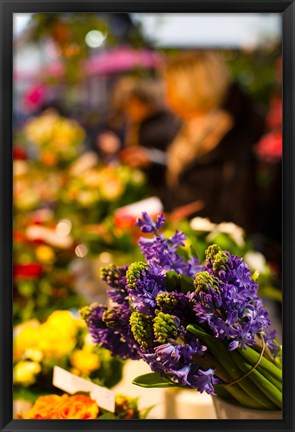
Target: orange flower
x,y
49,158
44,407
78,407
63,407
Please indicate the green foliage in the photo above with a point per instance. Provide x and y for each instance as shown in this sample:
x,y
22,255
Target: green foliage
x,y
153,380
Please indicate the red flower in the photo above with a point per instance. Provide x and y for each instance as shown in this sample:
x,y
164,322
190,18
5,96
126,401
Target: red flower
x,y
19,237
275,116
32,270
19,154
122,220
269,148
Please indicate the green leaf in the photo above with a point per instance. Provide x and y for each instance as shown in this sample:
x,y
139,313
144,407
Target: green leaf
x,y
186,284
144,413
172,281
179,282
151,380
107,416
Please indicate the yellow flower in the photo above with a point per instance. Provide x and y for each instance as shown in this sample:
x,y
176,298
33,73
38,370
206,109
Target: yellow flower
x,y
85,361
64,322
112,188
34,355
45,254
25,372
26,338
54,343
57,336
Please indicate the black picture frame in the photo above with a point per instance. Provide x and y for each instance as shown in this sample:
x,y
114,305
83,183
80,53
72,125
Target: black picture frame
x,y
287,9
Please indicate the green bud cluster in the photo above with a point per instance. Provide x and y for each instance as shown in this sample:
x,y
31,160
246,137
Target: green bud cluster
x,y
142,329
134,272
86,311
109,318
220,261
211,251
166,301
164,327
110,274
204,280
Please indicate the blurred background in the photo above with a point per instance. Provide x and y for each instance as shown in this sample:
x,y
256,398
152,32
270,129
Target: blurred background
x,y
116,113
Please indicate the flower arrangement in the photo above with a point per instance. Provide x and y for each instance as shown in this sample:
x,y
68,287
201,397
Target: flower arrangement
x,y
61,340
43,280
201,232
119,236
98,191
34,187
81,406
56,139
199,326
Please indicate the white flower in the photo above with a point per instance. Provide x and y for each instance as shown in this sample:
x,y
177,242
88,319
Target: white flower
x,y
234,231
202,224
256,261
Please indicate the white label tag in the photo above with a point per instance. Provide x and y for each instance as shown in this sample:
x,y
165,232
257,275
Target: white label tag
x,y
151,205
104,397
70,383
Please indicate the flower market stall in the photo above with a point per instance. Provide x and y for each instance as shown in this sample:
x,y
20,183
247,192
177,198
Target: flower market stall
x,y
142,286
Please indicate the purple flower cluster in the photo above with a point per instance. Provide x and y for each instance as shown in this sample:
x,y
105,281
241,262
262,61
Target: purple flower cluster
x,y
228,303
117,338
160,252
149,319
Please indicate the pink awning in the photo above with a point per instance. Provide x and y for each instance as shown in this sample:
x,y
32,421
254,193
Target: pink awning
x,y
113,61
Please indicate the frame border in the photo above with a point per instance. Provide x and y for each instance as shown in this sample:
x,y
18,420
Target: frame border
x,y
7,8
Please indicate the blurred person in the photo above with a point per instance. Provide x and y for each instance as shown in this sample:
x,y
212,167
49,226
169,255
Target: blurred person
x,y
150,129
212,157
107,136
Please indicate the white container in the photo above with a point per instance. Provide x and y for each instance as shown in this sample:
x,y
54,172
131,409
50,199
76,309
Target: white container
x,y
188,404
228,411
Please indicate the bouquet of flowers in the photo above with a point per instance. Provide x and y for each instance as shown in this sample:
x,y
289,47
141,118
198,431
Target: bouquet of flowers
x,y
34,187
197,326
81,406
201,232
62,340
56,140
43,252
96,192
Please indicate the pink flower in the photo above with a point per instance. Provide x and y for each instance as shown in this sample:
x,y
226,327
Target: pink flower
x,y
269,148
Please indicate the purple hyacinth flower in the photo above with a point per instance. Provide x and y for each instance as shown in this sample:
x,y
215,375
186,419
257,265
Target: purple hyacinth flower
x,y
206,381
147,225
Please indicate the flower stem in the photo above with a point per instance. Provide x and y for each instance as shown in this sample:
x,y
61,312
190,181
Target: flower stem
x,y
271,378
253,356
269,390
245,392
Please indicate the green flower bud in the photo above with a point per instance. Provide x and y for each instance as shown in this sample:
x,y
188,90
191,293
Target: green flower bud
x,y
166,301
211,251
110,318
110,274
86,311
142,329
203,281
220,261
134,272
164,327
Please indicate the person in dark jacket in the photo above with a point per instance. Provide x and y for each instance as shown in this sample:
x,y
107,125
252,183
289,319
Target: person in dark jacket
x,y
212,157
150,129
